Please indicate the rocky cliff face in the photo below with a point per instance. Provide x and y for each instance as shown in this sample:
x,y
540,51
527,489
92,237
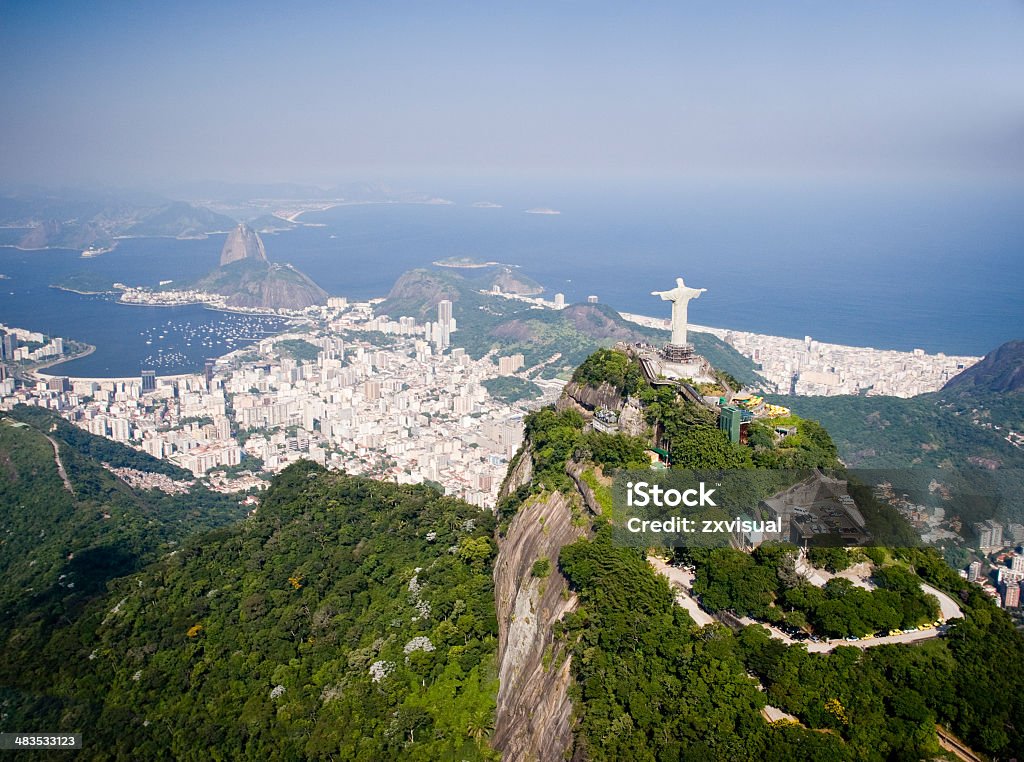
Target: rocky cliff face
x,y
242,243
534,717
588,398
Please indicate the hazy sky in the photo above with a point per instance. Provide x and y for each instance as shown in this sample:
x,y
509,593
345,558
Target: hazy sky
x,y
136,93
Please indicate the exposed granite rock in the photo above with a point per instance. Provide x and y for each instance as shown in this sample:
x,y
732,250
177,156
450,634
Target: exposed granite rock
x,y
590,398
631,419
575,471
534,717
520,471
242,243
248,279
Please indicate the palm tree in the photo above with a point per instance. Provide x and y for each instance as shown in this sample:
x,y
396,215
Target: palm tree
x,y
480,725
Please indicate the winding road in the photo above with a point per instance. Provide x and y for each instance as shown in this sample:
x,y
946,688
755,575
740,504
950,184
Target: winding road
x,y
681,582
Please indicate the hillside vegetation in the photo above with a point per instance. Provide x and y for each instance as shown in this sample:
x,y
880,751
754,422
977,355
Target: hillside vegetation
x,y
649,685
349,619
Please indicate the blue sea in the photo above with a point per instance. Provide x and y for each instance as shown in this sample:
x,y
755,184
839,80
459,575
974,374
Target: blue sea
x,y
939,268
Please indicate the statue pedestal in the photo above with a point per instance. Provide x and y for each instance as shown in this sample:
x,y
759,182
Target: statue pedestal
x,y
678,352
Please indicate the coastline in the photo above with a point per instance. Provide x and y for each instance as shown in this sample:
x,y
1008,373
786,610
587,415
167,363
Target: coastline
x,y
81,293
643,320
720,333
89,349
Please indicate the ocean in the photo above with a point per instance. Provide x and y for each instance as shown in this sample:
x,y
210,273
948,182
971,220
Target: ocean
x,y
936,268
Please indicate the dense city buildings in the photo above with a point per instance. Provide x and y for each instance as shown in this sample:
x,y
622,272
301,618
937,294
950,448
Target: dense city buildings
x,y
813,368
399,407
810,367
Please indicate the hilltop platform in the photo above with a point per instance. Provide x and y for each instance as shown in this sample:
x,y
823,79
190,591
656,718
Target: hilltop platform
x,y
674,364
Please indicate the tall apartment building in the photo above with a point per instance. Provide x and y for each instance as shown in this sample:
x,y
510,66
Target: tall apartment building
x,y
1011,594
990,534
444,312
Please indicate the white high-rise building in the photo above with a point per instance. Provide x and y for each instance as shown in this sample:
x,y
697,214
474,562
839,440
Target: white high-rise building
x,y
444,311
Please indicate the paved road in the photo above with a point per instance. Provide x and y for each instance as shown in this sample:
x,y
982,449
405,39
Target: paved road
x,y
681,581
950,609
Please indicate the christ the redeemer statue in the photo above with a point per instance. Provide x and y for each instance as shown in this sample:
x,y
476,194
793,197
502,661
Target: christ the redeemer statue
x,y
680,296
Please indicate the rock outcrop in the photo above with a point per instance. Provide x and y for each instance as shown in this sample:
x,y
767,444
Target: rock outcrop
x,y
588,398
263,285
534,715
248,279
242,243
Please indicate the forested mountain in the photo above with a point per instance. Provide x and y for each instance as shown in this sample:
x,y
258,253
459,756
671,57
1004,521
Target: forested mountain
x,y
1000,371
347,617
69,524
355,619
83,219
647,684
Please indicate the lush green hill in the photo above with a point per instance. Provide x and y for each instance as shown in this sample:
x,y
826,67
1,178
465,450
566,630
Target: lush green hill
x,y
938,429
60,544
963,425
349,619
99,449
649,685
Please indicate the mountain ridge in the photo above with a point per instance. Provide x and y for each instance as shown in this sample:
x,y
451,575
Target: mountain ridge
x,y
999,371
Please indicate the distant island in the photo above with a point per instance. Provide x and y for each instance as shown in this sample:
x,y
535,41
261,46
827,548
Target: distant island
x,y
485,205
463,262
542,210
